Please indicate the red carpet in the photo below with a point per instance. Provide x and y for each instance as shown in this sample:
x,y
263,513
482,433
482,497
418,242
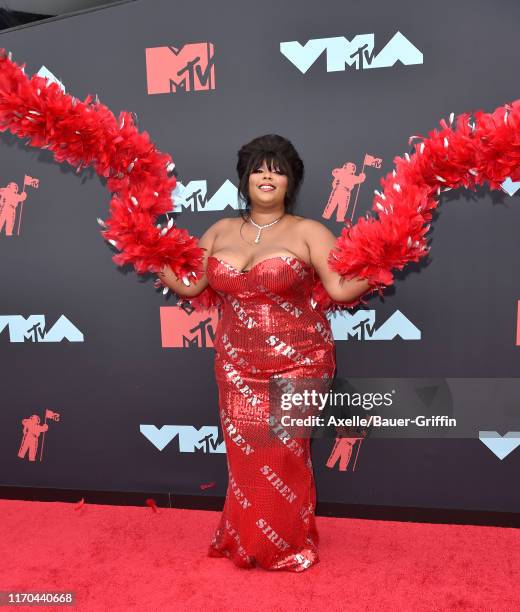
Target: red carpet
x,y
126,558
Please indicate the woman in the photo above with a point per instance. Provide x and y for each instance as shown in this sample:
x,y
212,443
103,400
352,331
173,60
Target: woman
x,y
263,265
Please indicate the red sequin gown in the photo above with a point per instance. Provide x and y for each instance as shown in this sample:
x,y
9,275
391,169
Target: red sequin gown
x,y
268,327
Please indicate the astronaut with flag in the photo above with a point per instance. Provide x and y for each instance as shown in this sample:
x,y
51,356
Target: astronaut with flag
x,y
9,200
345,179
31,433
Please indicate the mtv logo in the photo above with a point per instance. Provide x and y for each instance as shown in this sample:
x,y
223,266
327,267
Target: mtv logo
x,y
32,329
194,196
187,68
191,439
182,330
361,326
47,74
510,187
498,445
358,52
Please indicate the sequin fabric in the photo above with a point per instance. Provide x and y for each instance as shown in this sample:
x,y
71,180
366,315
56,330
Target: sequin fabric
x,y
268,328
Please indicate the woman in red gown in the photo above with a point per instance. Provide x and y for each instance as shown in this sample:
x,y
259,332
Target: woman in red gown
x,y
263,265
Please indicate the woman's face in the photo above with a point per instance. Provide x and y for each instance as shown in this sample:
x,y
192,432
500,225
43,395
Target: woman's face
x,y
266,186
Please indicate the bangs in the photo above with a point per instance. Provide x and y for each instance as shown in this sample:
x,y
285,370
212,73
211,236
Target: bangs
x,y
273,160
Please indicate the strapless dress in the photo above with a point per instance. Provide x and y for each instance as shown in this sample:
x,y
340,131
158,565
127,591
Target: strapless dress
x,y
267,328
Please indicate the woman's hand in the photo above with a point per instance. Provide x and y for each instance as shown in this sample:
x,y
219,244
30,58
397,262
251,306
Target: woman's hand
x,y
189,286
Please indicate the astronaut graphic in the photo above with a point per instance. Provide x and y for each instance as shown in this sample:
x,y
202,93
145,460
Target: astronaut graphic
x,y
342,452
9,200
345,179
31,432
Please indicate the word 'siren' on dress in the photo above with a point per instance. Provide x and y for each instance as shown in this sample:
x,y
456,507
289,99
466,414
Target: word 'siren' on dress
x,y
268,328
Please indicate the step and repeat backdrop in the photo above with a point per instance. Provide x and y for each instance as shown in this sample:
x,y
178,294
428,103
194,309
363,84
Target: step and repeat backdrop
x,y
108,385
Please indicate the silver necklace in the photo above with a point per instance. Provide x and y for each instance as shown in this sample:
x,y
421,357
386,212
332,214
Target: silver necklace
x,y
261,227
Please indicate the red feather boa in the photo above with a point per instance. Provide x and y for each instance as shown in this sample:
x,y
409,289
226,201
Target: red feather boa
x,y
87,133
466,154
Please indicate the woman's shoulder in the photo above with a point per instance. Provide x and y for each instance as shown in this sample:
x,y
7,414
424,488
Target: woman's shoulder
x,y
311,223
314,229
221,224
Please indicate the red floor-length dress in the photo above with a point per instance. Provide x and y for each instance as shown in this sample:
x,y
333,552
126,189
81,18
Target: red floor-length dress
x,y
268,328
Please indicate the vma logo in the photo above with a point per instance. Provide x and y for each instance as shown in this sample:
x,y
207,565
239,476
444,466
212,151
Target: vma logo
x,y
361,326
33,329
182,330
359,52
194,197
510,186
188,68
190,438
501,446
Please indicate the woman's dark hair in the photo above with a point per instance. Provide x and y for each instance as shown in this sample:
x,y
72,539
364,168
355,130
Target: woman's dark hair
x,y
278,152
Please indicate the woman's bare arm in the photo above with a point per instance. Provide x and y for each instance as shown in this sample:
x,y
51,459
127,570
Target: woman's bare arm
x,y
169,278
320,241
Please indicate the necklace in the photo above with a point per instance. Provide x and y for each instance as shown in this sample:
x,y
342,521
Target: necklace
x,y
261,227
